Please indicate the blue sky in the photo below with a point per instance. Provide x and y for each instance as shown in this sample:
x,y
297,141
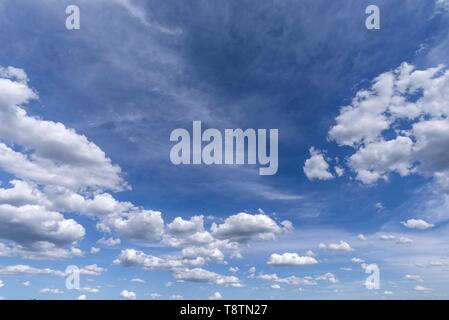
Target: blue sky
x,y
369,102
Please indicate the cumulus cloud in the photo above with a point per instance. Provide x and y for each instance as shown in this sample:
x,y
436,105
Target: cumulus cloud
x,y
422,289
290,259
128,295
361,237
216,296
179,266
30,223
52,291
340,246
417,224
20,269
60,156
25,269
399,240
109,242
404,95
94,250
357,260
140,225
181,232
295,280
243,227
316,167
132,257
202,275
413,277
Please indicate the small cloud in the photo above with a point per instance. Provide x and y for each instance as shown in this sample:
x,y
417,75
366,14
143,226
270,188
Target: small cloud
x,y
361,237
94,250
110,242
316,167
290,259
52,291
379,207
413,277
216,296
422,289
417,224
155,295
341,246
357,260
128,295
233,269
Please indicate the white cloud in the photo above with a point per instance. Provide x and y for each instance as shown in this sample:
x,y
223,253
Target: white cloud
x,y
399,240
275,286
290,259
363,120
417,224
387,237
404,240
90,289
155,295
216,296
59,156
109,242
357,260
341,246
141,225
128,295
295,281
21,269
203,252
422,289
328,277
202,275
137,280
233,269
417,97
131,257
92,270
243,227
94,250
2,284
30,223
251,272
26,283
25,269
82,297
413,277
361,237
52,291
377,159
316,167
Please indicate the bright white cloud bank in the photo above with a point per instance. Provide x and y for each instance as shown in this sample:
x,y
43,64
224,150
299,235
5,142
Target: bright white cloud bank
x,y
398,125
